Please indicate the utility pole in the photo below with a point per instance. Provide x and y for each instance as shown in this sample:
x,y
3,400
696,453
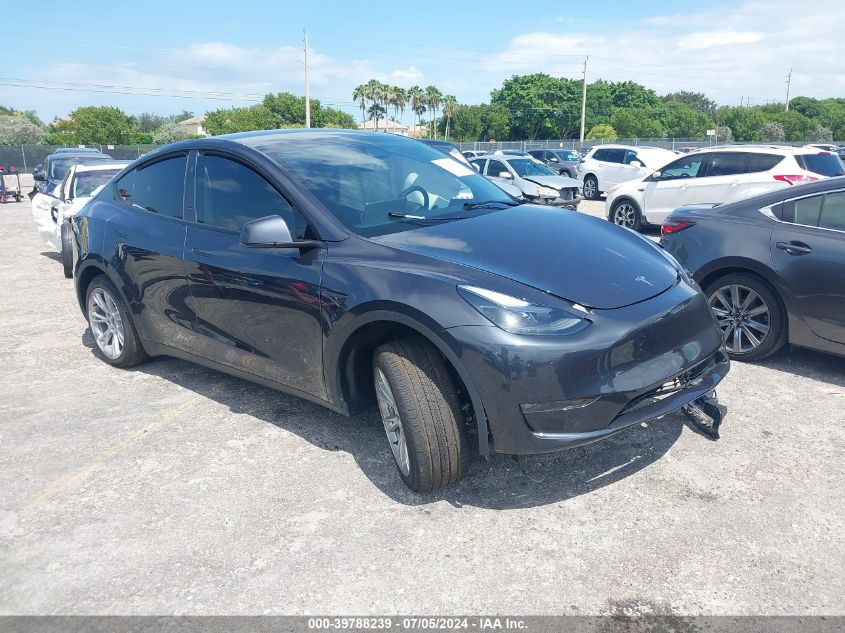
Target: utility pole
x,y
584,99
307,92
788,81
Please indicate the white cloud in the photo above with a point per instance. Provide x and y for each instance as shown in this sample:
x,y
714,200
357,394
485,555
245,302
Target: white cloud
x,y
711,39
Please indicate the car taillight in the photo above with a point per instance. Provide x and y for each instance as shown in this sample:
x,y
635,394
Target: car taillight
x,y
581,161
794,179
673,226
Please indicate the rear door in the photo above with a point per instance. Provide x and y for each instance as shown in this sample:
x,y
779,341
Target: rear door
x,y
144,241
725,178
610,168
672,190
257,309
808,250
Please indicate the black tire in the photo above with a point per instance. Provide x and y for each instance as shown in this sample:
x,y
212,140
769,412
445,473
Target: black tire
x,y
776,336
133,351
429,410
626,213
591,190
67,251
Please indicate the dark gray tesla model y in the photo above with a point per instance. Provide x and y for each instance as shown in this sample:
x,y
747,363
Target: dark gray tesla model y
x,y
352,268
772,267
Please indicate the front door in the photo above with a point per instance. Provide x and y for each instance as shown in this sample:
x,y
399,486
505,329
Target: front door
x,y
809,256
672,189
258,309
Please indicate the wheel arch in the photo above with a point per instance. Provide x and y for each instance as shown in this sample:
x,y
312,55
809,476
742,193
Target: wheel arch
x,y
625,198
348,361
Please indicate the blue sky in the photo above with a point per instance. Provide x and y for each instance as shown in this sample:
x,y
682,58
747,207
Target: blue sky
x,y
167,56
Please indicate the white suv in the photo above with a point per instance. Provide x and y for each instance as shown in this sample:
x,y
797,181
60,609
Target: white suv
x,y
606,166
716,176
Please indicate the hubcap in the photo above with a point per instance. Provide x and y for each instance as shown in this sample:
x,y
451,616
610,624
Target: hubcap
x,y
589,188
106,324
392,423
743,317
625,215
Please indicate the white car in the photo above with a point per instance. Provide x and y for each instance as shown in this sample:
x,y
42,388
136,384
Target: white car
x,y
717,176
537,183
52,211
606,166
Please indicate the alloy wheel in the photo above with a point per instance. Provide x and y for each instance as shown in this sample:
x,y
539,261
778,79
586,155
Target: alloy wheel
x,y
589,188
392,423
742,315
624,214
106,323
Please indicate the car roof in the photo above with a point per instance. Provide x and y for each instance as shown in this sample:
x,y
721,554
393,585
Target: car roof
x,y
763,148
78,150
103,165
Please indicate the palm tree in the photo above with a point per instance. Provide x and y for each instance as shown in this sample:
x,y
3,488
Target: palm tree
x,y
433,99
416,97
376,111
389,92
450,109
360,95
398,99
374,95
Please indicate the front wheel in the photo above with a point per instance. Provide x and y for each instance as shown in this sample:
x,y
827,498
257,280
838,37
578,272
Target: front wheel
x,y
626,213
591,188
749,314
421,414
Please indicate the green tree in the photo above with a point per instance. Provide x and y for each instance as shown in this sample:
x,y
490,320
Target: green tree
x,y
637,123
602,132
433,98
533,101
466,123
19,130
745,123
148,122
773,131
495,123
170,132
809,107
94,125
416,98
630,94
332,117
696,100
229,120
682,121
360,95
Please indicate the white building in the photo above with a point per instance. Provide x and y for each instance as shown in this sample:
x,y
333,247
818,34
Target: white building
x,y
384,125
194,126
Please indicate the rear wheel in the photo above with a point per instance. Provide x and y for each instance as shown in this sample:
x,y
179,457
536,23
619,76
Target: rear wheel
x,y
591,188
626,213
421,414
67,251
113,330
750,315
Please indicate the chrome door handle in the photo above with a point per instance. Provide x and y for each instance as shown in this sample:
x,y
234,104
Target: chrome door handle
x,y
794,248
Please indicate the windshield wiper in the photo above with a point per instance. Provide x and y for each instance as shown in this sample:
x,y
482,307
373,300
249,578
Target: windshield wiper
x,y
486,203
406,216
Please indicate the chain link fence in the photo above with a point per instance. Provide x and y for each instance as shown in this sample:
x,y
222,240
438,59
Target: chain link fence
x,y
677,144
26,157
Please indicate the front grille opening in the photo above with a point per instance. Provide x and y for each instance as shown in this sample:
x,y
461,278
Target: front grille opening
x,y
671,387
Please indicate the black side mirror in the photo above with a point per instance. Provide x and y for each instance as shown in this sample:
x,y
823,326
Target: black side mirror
x,y
39,176
272,232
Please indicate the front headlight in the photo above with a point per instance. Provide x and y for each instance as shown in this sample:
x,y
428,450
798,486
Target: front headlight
x,y
547,192
518,316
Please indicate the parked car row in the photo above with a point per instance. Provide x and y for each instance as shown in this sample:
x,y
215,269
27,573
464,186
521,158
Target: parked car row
x,y
716,176
351,268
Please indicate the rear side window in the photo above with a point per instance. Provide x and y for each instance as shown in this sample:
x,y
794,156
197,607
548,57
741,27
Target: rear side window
x,y
609,155
157,188
727,164
803,211
822,164
833,212
763,162
230,194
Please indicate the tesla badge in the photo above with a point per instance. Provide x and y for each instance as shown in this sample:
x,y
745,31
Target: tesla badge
x,y
642,279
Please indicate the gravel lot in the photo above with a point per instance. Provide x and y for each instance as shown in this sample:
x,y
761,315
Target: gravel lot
x,y
175,489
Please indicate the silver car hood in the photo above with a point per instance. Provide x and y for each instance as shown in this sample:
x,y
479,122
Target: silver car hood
x,y
556,182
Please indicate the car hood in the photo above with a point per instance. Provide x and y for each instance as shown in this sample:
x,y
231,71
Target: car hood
x,y
556,182
570,255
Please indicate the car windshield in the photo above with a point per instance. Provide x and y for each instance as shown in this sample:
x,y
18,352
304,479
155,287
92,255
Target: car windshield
x,y
822,164
568,156
384,185
85,182
528,167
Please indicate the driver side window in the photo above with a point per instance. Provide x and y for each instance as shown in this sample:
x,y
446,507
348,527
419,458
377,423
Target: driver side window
x,y
495,167
686,167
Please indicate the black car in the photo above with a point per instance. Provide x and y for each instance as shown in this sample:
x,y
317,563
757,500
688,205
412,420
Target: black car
x,y
57,164
349,268
563,161
772,267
